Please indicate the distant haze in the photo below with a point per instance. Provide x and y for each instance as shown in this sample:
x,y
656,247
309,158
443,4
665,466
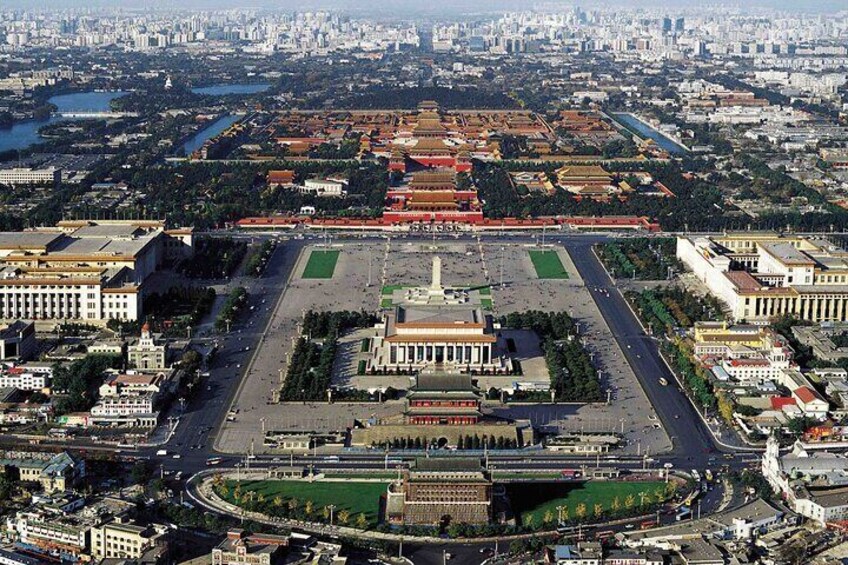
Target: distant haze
x,y
409,8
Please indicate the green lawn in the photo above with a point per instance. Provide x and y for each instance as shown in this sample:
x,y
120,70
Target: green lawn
x,y
354,497
389,289
321,264
537,498
548,265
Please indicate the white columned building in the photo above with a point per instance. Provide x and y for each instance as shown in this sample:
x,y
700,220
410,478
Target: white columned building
x,y
438,326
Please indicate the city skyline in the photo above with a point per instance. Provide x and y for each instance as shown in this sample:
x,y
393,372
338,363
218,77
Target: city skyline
x,y
446,7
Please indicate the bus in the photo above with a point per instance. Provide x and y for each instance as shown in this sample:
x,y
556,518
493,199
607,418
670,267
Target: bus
x,y
605,534
696,475
647,524
708,475
571,473
214,461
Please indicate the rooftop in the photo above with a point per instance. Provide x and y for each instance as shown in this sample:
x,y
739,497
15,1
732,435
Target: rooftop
x,y
447,464
787,253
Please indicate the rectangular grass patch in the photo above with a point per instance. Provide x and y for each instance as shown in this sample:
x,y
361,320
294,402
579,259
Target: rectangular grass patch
x,y
548,265
355,497
321,265
613,498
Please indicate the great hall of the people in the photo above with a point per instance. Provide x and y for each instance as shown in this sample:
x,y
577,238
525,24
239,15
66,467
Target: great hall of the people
x,y
88,270
760,276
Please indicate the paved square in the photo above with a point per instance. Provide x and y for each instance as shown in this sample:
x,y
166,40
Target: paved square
x,y
515,287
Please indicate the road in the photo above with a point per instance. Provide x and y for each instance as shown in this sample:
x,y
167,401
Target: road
x,y
204,414
688,432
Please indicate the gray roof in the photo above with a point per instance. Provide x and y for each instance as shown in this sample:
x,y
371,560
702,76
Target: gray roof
x,y
753,511
27,239
787,252
107,230
829,497
447,464
699,550
440,315
443,382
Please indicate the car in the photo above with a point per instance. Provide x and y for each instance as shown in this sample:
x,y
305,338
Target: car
x,y
677,416
177,456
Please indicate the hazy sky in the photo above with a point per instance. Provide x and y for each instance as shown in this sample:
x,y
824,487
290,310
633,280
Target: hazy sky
x,y
408,7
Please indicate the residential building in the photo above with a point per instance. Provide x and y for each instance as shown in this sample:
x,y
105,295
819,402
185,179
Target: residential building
x,y
584,553
822,339
55,473
824,505
132,384
17,341
813,483
63,526
136,410
239,548
120,538
811,402
634,557
25,176
17,377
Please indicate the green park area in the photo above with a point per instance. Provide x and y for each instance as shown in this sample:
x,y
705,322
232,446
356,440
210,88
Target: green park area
x,y
321,264
349,498
536,502
548,265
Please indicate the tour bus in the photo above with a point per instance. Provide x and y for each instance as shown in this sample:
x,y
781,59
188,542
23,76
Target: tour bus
x,y
604,534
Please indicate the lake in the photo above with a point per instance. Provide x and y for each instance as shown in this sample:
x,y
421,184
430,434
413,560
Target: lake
x,y
645,130
209,132
24,134
225,89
